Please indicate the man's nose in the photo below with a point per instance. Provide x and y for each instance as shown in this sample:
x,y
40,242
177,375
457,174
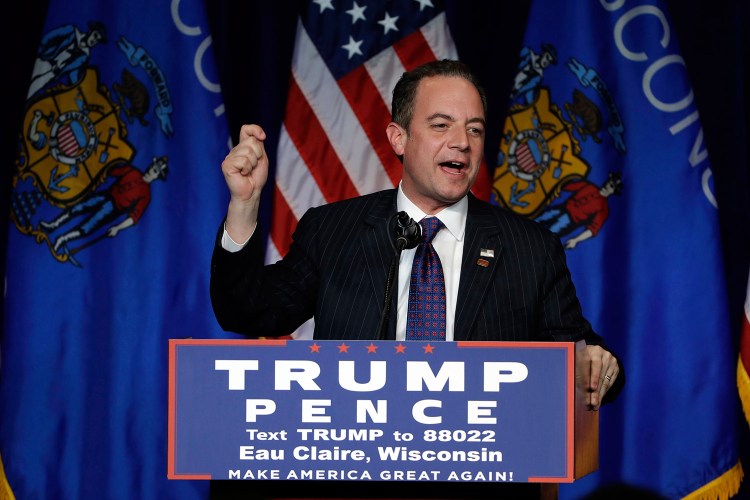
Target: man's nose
x,y
459,139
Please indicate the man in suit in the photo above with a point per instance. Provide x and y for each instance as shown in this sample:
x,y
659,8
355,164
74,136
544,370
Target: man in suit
x,y
506,277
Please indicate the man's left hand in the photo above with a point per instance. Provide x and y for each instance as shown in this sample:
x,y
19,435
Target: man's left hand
x,y
602,368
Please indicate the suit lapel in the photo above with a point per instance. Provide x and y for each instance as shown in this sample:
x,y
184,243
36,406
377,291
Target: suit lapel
x,y
482,249
378,251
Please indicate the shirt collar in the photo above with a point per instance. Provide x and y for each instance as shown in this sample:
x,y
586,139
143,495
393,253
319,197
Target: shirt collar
x,y
453,217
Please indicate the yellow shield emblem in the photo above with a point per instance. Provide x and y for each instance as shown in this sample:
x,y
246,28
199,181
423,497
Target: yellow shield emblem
x,y
70,137
539,154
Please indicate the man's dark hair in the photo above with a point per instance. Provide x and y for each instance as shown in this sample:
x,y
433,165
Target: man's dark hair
x,y
405,91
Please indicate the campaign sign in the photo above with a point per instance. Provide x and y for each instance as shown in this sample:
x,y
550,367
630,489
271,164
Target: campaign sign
x,y
371,410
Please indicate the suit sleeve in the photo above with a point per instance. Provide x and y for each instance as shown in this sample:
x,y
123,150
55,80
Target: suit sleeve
x,y
256,300
562,316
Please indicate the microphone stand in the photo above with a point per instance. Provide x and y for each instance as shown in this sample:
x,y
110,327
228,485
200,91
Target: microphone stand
x,y
408,235
386,316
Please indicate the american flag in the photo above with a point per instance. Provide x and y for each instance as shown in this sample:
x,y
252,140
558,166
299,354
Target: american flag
x,y
743,365
347,58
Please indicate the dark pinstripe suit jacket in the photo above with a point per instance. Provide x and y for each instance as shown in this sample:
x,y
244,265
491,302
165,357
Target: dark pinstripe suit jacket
x,y
337,266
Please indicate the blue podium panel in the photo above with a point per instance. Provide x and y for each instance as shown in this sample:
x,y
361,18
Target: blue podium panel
x,y
371,410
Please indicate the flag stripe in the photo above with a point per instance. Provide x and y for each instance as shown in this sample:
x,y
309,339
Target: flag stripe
x,y
414,50
385,69
525,158
67,141
438,36
367,104
293,179
310,139
284,219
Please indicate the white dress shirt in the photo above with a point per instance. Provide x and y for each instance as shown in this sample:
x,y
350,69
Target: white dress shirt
x,y
449,245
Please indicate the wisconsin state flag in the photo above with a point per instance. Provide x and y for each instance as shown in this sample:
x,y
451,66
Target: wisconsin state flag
x,y
114,211
603,145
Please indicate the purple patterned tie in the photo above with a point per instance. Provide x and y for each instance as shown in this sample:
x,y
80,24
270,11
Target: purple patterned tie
x,y
426,315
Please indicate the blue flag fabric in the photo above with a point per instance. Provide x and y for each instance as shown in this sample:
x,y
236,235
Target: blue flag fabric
x,y
603,144
114,212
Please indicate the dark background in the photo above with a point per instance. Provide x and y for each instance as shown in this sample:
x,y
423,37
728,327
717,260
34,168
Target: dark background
x,y
253,43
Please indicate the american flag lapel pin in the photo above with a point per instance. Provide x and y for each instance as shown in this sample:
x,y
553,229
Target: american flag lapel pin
x,y
484,254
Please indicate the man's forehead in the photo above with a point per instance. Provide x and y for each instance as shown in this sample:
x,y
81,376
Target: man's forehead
x,y
439,80
433,102
436,87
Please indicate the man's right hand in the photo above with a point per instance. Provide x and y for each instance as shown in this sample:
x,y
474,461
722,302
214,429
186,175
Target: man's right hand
x,y
245,171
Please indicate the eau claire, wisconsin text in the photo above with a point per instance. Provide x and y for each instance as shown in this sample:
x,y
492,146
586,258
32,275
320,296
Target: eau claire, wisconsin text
x,y
385,453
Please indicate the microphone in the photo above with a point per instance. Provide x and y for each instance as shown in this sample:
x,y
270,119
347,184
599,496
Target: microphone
x,y
407,234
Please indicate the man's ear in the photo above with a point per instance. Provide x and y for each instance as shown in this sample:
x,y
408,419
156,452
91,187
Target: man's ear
x,y
396,137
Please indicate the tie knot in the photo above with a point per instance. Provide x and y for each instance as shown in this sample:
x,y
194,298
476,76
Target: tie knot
x,y
430,227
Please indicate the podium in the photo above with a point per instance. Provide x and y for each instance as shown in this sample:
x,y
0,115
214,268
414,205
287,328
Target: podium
x,y
335,414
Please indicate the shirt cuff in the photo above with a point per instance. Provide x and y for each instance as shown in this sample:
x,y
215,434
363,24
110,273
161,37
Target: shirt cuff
x,y
228,244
